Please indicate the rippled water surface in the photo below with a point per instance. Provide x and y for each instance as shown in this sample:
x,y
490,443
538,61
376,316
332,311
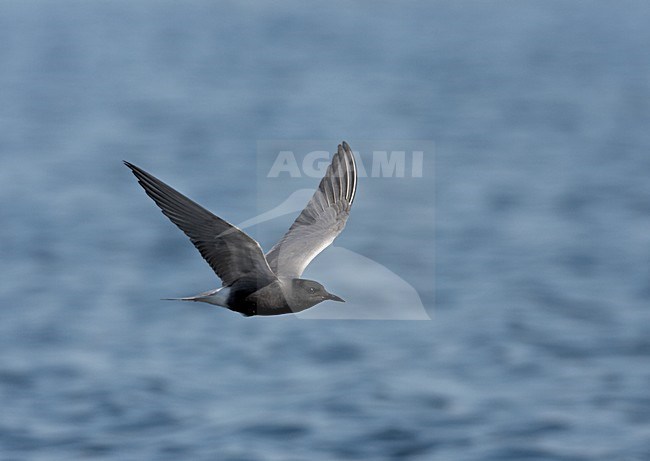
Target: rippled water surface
x,y
527,238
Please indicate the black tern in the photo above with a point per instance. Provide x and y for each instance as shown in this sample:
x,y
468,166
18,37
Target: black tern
x,y
254,283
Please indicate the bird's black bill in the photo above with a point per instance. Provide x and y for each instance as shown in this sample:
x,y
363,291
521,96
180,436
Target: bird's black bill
x,y
332,297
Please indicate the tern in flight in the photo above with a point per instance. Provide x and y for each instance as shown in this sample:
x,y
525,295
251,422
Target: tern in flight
x,y
254,283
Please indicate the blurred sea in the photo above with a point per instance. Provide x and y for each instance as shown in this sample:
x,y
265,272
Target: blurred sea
x,y
539,347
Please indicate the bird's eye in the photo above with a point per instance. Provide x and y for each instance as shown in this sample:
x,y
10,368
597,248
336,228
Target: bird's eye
x,y
312,290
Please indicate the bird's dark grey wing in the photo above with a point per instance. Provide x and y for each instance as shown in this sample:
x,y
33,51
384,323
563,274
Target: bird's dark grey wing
x,y
322,219
230,252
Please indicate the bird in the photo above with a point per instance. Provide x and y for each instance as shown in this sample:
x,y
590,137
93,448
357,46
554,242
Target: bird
x,y
254,283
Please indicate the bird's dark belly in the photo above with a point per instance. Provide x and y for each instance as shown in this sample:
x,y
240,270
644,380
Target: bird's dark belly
x,y
249,301
250,307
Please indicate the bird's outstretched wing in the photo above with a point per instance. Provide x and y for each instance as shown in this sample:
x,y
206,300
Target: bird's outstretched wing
x,y
322,219
230,252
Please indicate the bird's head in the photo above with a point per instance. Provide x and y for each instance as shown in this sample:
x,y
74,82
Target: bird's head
x,y
311,292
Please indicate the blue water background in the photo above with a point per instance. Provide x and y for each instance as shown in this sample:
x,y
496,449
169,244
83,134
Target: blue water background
x,y
535,268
